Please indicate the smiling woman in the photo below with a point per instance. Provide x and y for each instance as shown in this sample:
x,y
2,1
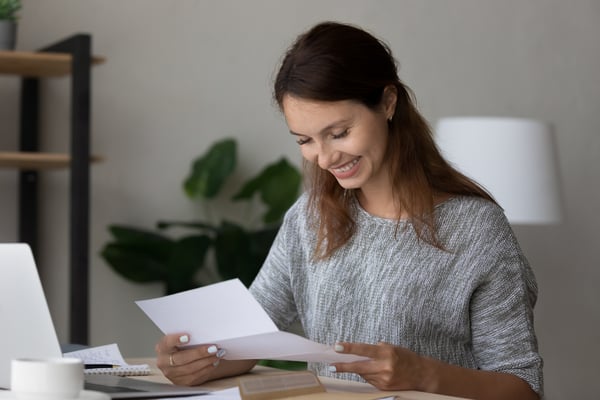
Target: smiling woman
x,y
391,254
339,74
349,140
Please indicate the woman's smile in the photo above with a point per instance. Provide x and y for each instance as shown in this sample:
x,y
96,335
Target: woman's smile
x,y
346,170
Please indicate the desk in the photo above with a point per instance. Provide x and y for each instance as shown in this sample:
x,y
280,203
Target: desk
x,y
351,389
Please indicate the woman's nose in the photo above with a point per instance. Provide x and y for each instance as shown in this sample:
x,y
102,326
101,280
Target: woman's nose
x,y
326,157
321,154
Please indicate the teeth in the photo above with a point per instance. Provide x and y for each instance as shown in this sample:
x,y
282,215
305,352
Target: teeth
x,y
347,167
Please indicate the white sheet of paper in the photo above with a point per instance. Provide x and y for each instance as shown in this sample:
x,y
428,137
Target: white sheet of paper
x,y
224,394
226,314
106,354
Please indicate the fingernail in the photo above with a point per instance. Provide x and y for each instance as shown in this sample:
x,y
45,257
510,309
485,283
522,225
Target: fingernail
x,y
332,368
221,353
184,339
338,347
212,349
216,363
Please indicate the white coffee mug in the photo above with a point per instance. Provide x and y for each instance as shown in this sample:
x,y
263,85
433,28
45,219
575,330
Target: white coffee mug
x,y
46,378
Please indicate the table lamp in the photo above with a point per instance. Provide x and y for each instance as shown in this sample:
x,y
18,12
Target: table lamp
x,y
514,159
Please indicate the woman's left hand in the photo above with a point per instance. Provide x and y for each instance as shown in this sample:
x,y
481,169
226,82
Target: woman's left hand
x,y
389,368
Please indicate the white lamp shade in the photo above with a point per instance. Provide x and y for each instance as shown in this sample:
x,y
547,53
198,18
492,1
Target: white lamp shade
x,y
513,159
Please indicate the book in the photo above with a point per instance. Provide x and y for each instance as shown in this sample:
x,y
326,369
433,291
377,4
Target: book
x,y
107,360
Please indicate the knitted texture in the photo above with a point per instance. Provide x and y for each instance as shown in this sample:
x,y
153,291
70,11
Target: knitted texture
x,y
471,305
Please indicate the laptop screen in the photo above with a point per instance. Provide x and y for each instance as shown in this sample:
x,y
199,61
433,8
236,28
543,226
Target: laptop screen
x,y
27,328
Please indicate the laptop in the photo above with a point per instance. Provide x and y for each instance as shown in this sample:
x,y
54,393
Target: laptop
x,y
28,331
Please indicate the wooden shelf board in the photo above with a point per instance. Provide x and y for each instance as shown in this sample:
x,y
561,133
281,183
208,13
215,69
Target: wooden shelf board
x,y
38,64
37,161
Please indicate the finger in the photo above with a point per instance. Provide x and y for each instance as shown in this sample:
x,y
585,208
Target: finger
x,y
190,374
374,352
204,360
203,352
356,367
210,353
360,349
170,343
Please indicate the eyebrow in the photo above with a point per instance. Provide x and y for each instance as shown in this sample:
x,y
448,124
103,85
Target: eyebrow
x,y
326,129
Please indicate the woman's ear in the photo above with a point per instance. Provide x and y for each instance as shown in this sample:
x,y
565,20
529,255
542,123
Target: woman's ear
x,y
388,101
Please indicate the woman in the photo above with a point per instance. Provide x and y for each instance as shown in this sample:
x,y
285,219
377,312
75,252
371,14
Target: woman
x,y
391,254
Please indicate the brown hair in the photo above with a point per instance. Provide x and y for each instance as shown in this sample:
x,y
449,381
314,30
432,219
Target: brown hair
x,y
334,62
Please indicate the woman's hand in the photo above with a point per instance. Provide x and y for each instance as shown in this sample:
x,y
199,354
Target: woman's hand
x,y
187,367
389,368
396,368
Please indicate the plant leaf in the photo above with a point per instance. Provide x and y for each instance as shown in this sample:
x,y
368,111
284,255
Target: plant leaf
x,y
155,245
287,365
199,225
134,262
278,185
137,254
231,249
210,171
129,234
187,258
8,9
239,253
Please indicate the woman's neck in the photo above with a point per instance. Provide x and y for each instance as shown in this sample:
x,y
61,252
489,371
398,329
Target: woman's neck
x,y
380,203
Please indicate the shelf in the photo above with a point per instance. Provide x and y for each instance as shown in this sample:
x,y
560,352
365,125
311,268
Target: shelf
x,y
37,161
39,64
70,57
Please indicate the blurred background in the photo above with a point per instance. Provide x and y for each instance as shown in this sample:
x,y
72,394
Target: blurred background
x,y
182,74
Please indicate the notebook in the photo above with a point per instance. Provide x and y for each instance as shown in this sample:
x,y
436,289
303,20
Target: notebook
x,y
28,331
107,360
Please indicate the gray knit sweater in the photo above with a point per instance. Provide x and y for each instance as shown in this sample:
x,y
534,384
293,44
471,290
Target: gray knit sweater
x,y
471,305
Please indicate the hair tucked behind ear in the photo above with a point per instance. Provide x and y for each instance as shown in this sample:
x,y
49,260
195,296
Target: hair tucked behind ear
x,y
334,62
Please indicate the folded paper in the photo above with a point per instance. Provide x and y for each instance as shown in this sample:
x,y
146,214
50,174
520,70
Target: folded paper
x,y
226,314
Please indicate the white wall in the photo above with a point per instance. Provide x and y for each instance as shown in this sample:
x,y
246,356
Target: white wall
x,y
182,73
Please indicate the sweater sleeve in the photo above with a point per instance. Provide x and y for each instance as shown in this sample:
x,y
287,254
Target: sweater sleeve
x,y
502,323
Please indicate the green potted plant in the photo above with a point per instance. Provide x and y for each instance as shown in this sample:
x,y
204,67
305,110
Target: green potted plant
x,y
239,249
8,23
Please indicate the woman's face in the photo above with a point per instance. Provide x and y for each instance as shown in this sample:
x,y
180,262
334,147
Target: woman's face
x,y
345,138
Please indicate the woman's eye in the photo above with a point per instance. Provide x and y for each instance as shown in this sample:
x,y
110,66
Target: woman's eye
x,y
340,135
302,141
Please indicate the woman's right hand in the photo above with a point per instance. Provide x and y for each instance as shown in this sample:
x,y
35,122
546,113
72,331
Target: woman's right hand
x,y
188,367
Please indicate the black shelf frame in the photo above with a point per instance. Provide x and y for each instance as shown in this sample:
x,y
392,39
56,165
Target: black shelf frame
x,y
79,47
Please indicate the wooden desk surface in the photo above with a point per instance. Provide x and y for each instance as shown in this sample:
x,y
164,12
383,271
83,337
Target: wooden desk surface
x,y
350,389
